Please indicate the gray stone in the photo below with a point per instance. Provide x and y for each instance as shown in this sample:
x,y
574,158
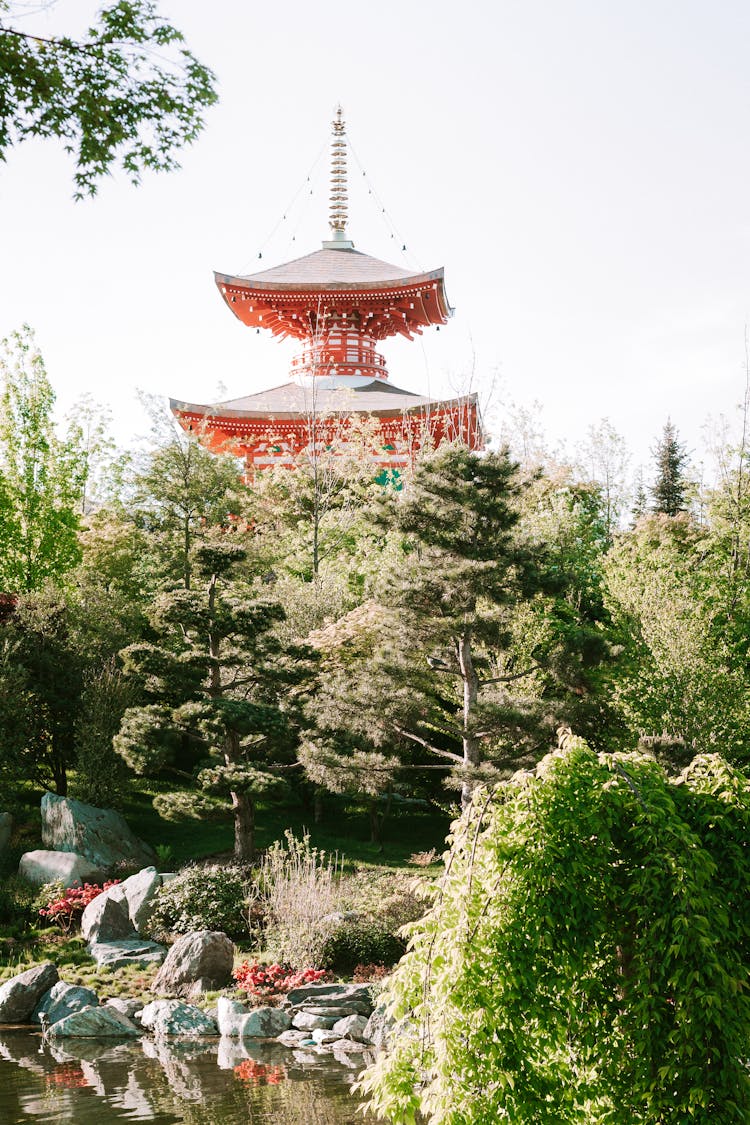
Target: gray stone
x,y
106,917
305,1022
101,1022
129,951
140,892
378,1028
293,1038
62,1000
349,1046
101,835
355,1008
321,1036
265,1023
125,1007
174,1019
351,1027
20,995
230,1015
324,994
69,868
205,955
6,827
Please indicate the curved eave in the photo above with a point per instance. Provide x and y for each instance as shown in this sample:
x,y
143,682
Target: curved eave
x,y
213,416
405,306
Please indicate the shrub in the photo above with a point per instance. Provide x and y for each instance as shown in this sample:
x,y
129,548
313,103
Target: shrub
x,y
65,905
202,898
363,974
269,981
361,942
300,887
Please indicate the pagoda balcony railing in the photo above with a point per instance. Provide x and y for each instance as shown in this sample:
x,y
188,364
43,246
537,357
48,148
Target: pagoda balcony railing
x,y
339,361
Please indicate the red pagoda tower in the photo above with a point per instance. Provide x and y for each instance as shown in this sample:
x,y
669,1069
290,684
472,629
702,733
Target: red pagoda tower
x,y
339,303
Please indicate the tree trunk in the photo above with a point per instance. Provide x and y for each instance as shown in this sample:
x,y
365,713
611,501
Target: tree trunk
x,y
243,807
471,748
376,824
318,806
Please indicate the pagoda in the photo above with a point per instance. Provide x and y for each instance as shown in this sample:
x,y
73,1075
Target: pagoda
x,y
339,304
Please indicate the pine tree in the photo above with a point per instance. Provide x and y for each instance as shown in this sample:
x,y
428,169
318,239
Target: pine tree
x,y
219,681
669,492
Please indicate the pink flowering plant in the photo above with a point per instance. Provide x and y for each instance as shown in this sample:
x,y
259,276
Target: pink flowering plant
x,y
272,981
66,905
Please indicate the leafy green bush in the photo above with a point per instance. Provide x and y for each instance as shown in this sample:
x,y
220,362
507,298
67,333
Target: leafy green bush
x,y
361,942
202,898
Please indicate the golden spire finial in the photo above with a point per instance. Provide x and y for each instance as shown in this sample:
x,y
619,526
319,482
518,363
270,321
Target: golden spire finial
x,y
338,177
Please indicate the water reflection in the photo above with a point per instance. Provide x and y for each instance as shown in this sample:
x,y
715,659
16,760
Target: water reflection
x,y
215,1082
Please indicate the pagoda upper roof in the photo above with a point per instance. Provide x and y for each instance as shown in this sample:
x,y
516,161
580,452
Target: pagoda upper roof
x,y
295,400
333,269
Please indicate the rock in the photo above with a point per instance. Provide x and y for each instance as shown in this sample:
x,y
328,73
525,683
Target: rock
x,y
102,1022
349,1046
321,1036
62,1000
125,1007
205,955
355,1008
69,868
265,1023
230,1015
128,951
293,1038
378,1029
324,994
351,1027
305,1022
106,917
172,1018
140,891
20,995
99,834
6,827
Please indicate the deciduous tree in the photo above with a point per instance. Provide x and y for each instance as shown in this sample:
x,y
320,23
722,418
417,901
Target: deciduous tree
x,y
126,93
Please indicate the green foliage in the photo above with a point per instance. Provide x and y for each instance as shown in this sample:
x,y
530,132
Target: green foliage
x,y
361,942
41,477
101,778
127,92
219,678
202,898
586,958
682,678
670,488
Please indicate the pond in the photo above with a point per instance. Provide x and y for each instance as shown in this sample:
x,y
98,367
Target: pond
x,y
218,1082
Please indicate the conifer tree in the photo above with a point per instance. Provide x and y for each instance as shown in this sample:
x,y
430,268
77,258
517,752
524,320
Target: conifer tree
x,y
669,491
218,679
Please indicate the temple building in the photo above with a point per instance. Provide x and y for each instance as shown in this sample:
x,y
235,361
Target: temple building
x,y
339,304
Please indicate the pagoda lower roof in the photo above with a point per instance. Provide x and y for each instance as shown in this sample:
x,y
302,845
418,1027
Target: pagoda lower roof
x,y
296,400
333,269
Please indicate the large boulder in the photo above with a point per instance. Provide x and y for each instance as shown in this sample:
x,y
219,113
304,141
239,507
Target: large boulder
x,y
20,995
62,1000
173,1019
106,917
140,892
356,997
351,1027
101,835
69,868
265,1023
95,1023
127,951
204,956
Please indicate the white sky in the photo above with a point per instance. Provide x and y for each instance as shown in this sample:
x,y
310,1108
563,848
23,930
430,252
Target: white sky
x,y
580,168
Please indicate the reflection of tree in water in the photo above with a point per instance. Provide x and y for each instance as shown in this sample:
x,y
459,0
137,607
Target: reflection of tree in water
x,y
171,1084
